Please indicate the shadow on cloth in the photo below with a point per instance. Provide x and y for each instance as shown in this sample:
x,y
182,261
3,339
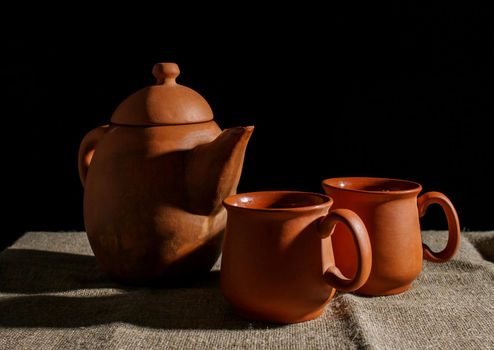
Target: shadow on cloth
x,y
90,298
163,309
27,271
175,308
483,242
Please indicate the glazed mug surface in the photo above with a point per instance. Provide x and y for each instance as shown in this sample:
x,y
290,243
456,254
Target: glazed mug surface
x,y
390,210
277,263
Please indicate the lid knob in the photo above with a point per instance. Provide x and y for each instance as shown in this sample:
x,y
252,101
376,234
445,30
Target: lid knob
x,y
166,73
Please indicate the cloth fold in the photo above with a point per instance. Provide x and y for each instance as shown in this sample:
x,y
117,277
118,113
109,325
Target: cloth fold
x,y
53,295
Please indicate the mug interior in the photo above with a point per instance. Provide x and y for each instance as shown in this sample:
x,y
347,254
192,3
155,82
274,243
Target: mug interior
x,y
373,185
278,200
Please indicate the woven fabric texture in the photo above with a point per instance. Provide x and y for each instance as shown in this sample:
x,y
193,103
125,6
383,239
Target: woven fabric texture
x,y
53,296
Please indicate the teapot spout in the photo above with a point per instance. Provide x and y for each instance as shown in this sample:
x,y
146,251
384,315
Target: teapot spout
x,y
213,170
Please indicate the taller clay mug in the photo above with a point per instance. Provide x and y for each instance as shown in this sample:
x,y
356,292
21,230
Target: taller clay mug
x,y
390,210
277,262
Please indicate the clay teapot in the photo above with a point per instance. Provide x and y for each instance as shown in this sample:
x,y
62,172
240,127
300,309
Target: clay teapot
x,y
154,181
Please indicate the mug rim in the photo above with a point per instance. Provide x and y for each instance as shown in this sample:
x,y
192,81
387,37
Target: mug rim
x,y
229,201
333,183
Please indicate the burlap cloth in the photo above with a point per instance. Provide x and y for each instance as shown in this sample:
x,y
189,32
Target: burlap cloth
x,y
53,296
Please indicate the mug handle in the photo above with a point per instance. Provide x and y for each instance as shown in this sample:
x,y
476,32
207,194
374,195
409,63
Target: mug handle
x,y
453,244
86,150
333,275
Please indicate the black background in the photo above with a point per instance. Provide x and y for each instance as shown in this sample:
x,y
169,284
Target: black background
x,y
407,97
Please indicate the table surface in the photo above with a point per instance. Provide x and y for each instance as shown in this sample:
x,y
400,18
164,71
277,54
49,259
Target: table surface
x,y
53,296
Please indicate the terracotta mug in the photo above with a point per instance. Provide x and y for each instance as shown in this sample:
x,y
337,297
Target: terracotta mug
x,y
277,262
390,210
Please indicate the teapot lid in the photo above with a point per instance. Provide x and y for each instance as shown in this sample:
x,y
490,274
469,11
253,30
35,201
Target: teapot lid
x,y
165,103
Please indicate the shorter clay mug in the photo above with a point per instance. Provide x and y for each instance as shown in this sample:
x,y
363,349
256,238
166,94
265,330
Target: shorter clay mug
x,y
390,210
277,263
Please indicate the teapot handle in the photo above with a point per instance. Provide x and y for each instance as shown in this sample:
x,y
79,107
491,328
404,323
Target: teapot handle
x,y
87,148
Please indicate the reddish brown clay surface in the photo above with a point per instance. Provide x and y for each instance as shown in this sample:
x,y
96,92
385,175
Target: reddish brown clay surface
x,y
277,262
390,210
154,181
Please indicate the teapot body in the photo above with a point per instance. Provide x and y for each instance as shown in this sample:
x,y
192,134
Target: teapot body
x,y
136,204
